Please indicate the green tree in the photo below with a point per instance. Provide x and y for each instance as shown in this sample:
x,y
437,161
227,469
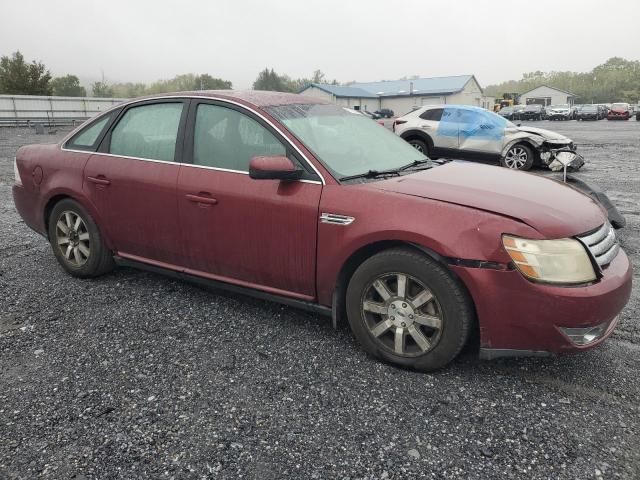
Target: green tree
x,y
68,86
21,78
207,82
128,90
271,81
102,89
615,80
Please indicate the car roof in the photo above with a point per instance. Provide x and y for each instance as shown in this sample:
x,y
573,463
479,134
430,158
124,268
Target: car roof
x,y
256,98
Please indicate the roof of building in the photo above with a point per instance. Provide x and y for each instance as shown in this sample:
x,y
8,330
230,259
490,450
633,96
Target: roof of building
x,y
552,88
342,90
398,88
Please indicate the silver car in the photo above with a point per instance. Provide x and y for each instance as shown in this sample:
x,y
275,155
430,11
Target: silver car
x,y
472,133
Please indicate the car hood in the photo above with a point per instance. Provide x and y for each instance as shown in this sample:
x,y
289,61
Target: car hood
x,y
552,208
546,134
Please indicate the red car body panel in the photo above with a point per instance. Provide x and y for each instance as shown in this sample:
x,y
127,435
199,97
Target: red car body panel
x,y
267,234
260,232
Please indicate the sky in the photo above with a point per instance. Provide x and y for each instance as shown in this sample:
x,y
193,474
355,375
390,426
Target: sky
x,y
364,40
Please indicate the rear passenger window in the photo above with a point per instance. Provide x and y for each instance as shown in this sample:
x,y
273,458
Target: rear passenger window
x,y
87,138
148,131
226,138
434,114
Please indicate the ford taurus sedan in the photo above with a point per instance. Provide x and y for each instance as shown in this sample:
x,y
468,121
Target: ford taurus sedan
x,y
294,200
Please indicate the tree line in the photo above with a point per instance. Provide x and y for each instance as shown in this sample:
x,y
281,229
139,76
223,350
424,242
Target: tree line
x,y
19,77
616,80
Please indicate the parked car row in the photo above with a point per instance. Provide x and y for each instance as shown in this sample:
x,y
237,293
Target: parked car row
x,y
615,111
296,200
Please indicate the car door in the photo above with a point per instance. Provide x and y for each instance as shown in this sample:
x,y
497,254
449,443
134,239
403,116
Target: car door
x,y
132,178
441,125
257,233
480,133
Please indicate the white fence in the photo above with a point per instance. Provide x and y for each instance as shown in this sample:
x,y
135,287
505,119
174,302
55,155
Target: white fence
x,y
20,110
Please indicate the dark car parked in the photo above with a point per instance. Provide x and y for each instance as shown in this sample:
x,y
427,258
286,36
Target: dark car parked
x,y
384,113
300,201
603,111
506,112
588,112
533,112
619,111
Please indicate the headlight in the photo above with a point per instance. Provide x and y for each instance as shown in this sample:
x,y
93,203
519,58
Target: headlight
x,y
553,261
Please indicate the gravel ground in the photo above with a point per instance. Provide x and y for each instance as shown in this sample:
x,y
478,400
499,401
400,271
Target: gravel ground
x,y
134,375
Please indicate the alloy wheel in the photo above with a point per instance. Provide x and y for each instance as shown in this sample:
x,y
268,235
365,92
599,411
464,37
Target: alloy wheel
x,y
516,158
402,314
73,239
417,146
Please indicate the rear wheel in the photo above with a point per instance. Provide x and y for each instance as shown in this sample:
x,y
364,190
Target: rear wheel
x,y
419,145
518,157
76,241
406,309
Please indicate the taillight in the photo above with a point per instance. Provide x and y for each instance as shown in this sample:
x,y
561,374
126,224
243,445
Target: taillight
x,y
397,122
16,173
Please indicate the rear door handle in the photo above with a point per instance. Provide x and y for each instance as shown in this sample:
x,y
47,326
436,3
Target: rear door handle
x,y
99,180
201,199
425,126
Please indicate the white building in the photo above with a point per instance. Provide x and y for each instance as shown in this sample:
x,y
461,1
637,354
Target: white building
x,y
402,96
544,95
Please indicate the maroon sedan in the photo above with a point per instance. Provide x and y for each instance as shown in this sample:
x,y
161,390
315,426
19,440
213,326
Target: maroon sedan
x,y
295,200
619,111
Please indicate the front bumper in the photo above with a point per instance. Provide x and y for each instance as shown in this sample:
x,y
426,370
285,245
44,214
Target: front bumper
x,y
515,314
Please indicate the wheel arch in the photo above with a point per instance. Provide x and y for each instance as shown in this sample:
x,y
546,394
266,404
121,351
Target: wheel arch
x,y
349,266
419,134
58,196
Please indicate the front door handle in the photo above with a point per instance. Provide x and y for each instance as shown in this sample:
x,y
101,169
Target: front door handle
x,y
99,180
201,199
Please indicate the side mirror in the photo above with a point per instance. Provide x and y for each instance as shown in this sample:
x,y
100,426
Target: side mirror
x,y
273,168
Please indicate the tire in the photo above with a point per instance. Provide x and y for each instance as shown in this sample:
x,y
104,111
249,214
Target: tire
x,y
84,253
518,157
446,312
420,145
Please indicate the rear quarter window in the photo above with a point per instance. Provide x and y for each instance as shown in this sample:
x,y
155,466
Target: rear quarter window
x,y
89,137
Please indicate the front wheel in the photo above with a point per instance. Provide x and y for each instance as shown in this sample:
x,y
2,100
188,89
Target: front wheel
x,y
76,241
518,157
406,309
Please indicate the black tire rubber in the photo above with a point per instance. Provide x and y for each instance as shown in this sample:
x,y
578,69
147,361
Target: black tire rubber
x,y
421,143
100,259
530,158
457,307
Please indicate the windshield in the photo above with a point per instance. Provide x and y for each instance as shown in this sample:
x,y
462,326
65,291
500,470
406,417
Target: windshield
x,y
347,143
620,106
532,108
560,107
589,108
506,109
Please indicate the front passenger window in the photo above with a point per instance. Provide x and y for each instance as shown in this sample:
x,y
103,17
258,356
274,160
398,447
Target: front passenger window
x,y
148,131
226,138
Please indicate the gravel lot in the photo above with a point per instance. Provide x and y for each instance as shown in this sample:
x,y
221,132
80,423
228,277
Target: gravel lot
x,y
134,375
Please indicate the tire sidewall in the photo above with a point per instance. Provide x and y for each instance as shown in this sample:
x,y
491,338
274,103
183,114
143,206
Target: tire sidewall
x,y
456,314
423,145
93,263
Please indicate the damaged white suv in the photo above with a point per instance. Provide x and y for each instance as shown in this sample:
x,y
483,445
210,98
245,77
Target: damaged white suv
x,y
472,133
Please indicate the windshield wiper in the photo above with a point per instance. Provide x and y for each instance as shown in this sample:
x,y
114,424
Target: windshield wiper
x,y
391,171
415,163
370,174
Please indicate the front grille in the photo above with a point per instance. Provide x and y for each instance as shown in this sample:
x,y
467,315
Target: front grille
x,y
602,244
